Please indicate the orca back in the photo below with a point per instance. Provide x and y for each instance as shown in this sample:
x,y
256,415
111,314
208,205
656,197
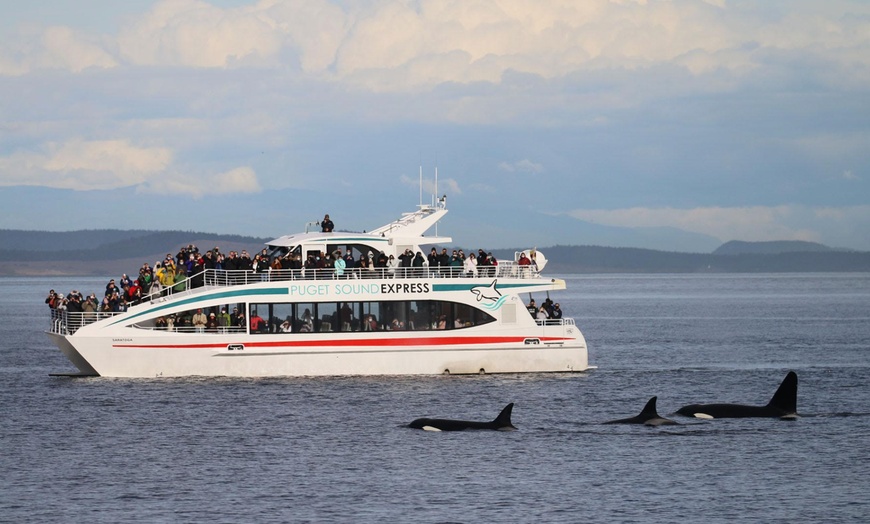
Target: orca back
x,y
501,423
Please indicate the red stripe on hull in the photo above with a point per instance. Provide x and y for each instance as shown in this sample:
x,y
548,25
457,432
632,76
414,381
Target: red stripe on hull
x,y
392,342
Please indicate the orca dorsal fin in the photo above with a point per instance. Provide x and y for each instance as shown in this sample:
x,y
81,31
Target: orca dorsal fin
x,y
785,398
650,409
503,420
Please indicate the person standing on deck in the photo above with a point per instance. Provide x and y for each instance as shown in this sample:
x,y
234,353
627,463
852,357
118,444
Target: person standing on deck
x,y
326,224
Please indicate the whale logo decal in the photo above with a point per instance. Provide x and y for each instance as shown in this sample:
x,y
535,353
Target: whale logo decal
x,y
488,292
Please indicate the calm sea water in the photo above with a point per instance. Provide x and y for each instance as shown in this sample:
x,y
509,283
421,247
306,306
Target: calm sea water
x,y
334,450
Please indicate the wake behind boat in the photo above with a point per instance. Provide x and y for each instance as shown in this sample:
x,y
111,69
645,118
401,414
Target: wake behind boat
x,y
398,319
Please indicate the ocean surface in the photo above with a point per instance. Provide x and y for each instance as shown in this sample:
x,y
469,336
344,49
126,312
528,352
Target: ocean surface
x,y
101,450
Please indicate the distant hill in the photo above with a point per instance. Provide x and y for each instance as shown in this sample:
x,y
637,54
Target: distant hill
x,y
103,252
738,247
597,259
112,252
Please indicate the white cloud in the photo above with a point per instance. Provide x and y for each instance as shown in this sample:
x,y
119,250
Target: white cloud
x,y
757,223
55,47
83,165
67,49
238,180
396,46
521,166
448,186
197,34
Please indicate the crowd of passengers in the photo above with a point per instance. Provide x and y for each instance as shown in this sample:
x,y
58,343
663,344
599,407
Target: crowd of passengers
x,y
171,274
207,321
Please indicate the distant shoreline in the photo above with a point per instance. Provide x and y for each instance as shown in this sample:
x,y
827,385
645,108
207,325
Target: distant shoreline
x,y
111,253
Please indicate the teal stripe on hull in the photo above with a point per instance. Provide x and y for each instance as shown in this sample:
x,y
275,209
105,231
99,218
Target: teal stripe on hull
x,y
467,287
209,296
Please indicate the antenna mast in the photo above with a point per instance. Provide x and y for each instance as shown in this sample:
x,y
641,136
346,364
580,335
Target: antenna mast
x,y
436,193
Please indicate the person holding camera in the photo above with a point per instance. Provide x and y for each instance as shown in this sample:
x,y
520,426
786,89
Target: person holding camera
x,y
51,299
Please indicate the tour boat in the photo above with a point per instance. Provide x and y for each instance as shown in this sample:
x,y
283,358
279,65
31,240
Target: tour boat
x,y
418,320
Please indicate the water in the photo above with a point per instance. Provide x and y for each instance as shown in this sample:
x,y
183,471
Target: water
x,y
334,450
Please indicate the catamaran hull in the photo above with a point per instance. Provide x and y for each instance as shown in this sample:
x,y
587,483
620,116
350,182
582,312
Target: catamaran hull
x,y
153,357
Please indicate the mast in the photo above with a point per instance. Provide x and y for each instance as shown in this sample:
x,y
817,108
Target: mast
x,y
436,193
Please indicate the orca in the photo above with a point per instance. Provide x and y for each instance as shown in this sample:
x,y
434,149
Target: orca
x,y
501,423
648,417
783,405
488,292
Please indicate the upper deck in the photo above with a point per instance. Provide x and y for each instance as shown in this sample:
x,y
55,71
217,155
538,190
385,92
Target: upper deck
x,y
64,322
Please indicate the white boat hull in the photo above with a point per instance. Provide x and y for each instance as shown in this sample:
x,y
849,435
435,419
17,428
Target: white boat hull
x,y
397,355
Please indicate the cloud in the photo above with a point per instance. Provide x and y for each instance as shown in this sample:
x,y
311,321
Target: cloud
x,y
238,180
757,223
84,165
399,46
448,186
521,166
68,49
197,34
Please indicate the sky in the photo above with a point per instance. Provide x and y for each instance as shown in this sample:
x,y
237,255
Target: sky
x,y
674,125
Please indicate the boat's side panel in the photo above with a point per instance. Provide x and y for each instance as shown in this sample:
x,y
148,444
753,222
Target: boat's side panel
x,y
155,358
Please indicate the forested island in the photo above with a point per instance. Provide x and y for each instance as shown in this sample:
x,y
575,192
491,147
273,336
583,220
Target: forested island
x,y
112,252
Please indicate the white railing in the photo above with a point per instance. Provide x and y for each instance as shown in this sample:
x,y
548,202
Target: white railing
x,y
220,330
222,277
65,322
555,321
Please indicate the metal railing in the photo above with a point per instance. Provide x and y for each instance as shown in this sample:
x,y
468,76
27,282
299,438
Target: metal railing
x,y
223,278
555,322
65,322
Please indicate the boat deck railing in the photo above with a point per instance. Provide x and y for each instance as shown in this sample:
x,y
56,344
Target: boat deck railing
x,y
211,278
66,323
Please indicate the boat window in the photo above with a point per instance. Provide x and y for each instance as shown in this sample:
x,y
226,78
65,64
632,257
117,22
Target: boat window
x,y
282,319
348,320
304,320
327,317
257,318
372,316
226,320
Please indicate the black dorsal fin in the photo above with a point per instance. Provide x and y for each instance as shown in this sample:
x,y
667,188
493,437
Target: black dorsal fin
x,y
650,409
503,420
785,397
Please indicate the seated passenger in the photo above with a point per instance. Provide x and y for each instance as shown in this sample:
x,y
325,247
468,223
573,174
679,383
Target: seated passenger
x,y
307,323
